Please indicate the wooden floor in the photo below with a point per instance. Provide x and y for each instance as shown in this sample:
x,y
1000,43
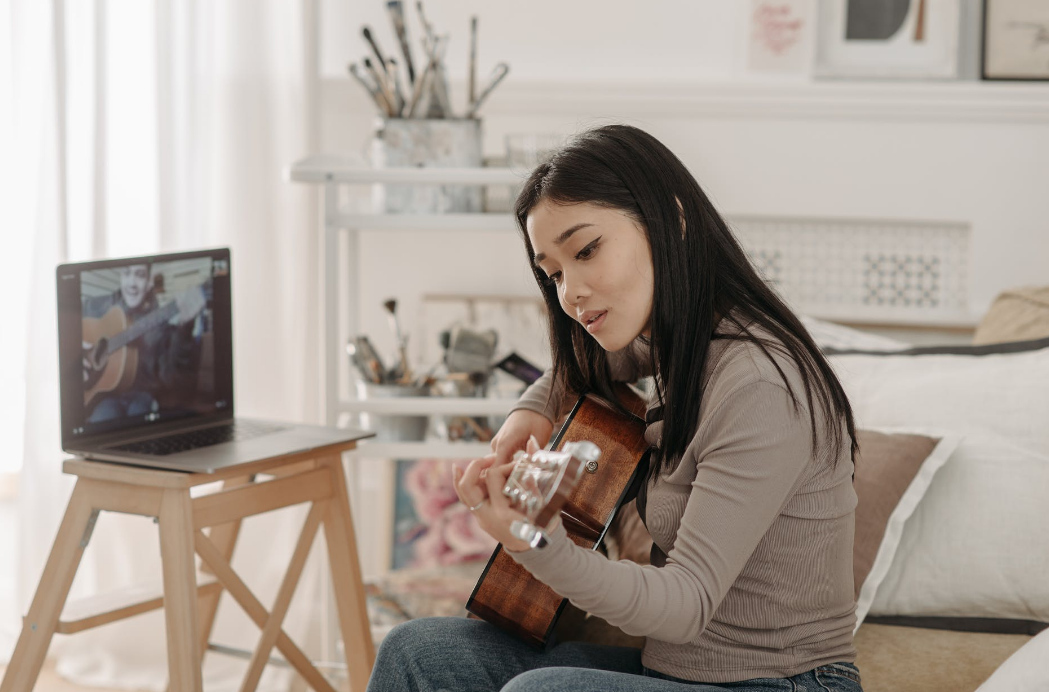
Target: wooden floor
x,y
49,681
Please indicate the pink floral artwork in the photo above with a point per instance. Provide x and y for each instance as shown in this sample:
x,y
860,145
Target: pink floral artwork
x,y
447,532
429,484
776,26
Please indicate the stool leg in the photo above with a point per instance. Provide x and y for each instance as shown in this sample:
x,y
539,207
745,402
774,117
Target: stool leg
x,y
224,536
347,581
180,591
51,592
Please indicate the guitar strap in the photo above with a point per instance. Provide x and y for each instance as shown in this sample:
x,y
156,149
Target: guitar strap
x,y
653,415
657,557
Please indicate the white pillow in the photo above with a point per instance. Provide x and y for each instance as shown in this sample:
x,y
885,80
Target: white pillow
x,y
830,335
895,525
998,394
1027,670
977,545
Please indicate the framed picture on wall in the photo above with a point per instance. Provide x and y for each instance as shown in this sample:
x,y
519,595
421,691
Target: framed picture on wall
x,y
780,38
890,39
1016,39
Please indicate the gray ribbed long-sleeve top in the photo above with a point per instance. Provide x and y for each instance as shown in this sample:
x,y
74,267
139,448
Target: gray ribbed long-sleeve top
x,y
758,530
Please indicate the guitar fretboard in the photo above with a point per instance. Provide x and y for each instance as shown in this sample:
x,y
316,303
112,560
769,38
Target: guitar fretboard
x,y
140,327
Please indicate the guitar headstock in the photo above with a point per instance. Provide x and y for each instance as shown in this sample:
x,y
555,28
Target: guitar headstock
x,y
540,483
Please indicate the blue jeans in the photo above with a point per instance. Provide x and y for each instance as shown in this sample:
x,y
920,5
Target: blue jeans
x,y
460,655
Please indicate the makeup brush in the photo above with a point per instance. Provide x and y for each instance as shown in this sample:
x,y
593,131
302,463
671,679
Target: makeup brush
x,y
402,342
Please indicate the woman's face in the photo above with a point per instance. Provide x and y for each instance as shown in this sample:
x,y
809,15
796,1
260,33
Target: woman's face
x,y
599,261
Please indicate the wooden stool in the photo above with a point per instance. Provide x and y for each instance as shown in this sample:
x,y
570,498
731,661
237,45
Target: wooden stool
x,y
190,606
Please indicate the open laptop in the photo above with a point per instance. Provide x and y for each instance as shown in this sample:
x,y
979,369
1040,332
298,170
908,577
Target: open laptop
x,y
146,367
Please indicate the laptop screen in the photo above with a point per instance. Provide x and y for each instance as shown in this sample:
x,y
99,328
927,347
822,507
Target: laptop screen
x,y
144,341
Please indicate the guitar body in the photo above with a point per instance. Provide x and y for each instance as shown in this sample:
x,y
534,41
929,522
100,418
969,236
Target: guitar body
x,y
506,594
112,372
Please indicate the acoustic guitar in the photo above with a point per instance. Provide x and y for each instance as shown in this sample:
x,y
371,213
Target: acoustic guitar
x,y
110,363
586,491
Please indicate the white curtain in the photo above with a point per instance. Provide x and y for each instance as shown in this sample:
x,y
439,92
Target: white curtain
x,y
145,127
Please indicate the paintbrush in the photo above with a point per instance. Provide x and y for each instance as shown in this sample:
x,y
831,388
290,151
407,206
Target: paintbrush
x,y
384,87
472,75
497,76
375,47
402,342
371,357
366,359
439,106
440,83
395,77
427,26
395,8
421,84
375,93
417,92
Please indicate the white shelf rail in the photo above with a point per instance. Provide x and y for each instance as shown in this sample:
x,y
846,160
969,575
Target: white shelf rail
x,y
415,450
332,172
426,222
414,406
333,169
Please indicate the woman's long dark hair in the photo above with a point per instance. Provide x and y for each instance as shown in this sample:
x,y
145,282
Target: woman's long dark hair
x,y
698,275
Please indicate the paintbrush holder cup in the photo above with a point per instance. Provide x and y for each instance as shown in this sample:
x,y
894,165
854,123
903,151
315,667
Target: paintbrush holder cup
x,y
391,428
525,151
420,143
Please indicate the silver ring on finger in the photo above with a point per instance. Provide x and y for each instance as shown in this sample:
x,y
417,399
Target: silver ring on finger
x,y
478,506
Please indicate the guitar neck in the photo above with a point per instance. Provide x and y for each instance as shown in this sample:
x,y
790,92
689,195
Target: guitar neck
x,y
140,327
507,595
583,527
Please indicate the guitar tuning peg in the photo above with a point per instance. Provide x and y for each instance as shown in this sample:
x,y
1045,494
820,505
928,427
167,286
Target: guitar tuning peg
x,y
584,451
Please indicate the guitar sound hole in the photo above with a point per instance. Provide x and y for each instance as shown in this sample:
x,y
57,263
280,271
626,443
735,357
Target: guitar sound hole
x,y
98,354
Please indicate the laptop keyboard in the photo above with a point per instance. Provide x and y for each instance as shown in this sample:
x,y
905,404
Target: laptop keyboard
x,y
194,439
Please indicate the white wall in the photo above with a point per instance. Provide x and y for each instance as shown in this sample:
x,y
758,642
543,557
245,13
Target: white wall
x,y
957,151
546,41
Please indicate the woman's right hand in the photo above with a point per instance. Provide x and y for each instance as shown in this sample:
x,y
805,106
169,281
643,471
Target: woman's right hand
x,y
513,435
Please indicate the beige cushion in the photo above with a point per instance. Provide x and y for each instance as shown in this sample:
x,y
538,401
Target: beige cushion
x,y
1016,315
890,658
885,467
893,659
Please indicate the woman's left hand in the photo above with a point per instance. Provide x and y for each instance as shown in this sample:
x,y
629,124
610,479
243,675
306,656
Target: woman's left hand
x,y
480,488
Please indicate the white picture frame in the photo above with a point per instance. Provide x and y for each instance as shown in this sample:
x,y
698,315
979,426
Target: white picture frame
x,y
1015,40
780,41
878,41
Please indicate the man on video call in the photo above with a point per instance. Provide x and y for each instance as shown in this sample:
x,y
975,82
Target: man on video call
x,y
167,354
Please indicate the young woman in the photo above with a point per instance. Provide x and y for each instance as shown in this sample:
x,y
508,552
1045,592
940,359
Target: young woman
x,y
749,496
